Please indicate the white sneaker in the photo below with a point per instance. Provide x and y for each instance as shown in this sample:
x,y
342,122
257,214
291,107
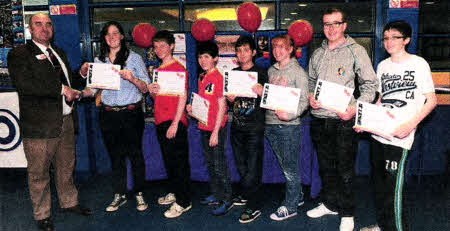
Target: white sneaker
x,y
118,201
347,224
176,210
319,211
167,200
140,202
371,228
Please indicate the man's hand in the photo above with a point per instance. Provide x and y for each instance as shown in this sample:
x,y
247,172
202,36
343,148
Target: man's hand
x,y
349,113
71,94
172,131
87,92
214,139
153,88
403,130
84,69
282,115
258,89
315,104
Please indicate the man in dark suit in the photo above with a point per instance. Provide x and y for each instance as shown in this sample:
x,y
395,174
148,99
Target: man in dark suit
x,y
43,79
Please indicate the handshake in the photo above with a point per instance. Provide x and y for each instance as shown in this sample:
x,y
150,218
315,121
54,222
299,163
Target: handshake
x,y
72,94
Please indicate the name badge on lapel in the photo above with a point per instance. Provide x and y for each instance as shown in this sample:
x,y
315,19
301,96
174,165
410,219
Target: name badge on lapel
x,y
41,57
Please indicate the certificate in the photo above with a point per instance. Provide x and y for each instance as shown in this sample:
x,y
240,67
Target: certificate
x,y
227,63
180,43
170,82
277,97
332,96
240,83
103,76
375,119
200,108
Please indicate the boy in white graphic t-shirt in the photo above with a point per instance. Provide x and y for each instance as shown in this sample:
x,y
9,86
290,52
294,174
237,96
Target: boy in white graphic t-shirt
x,y
407,88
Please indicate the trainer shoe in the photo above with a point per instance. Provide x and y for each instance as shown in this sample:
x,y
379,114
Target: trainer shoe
x,y
249,215
347,224
239,201
282,213
371,228
140,202
319,211
209,200
118,201
167,199
176,210
222,208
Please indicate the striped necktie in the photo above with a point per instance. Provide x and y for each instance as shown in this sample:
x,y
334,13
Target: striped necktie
x,y
57,67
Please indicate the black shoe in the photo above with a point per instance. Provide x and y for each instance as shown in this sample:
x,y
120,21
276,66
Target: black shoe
x,y
45,224
249,215
77,209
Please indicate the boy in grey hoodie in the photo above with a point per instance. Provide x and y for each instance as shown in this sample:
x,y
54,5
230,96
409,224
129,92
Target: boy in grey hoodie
x,y
339,60
283,129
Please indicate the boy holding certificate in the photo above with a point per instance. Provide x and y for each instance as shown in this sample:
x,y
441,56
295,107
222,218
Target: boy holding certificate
x,y
342,61
247,133
214,131
171,126
407,88
283,129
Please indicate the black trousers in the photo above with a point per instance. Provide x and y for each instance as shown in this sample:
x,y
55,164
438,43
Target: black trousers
x,y
336,144
248,148
175,153
122,134
389,168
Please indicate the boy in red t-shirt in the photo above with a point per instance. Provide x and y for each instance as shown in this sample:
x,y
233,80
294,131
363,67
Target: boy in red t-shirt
x,y
214,133
171,127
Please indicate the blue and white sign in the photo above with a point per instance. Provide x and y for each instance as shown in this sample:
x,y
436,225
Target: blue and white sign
x,y
11,148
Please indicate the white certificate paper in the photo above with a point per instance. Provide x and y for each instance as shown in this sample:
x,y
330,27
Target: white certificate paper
x,y
227,63
375,119
170,82
200,108
277,97
180,43
332,96
240,83
103,76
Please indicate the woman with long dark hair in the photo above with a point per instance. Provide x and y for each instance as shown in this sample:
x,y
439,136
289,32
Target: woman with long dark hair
x,y
121,117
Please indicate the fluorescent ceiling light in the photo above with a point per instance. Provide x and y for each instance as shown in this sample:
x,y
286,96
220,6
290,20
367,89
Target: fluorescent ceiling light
x,y
225,14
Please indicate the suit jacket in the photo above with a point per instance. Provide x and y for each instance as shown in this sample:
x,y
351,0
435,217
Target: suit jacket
x,y
39,89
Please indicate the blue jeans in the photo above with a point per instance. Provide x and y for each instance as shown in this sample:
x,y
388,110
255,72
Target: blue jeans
x,y
216,161
285,141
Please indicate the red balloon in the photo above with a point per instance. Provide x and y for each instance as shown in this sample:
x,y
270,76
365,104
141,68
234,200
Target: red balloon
x,y
301,32
203,30
249,17
143,34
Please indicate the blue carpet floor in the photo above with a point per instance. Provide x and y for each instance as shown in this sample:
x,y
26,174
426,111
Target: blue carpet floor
x,y
429,206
